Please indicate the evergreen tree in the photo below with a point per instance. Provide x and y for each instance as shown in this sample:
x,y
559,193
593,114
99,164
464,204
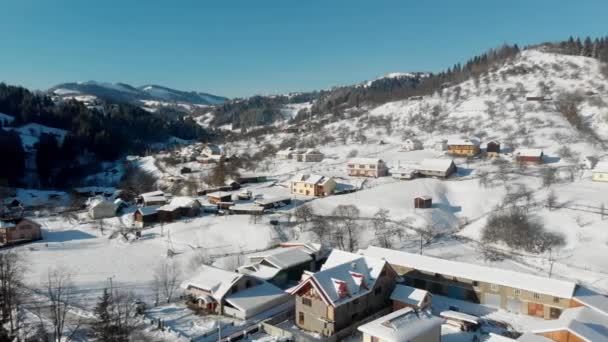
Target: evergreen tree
x,y
12,148
47,157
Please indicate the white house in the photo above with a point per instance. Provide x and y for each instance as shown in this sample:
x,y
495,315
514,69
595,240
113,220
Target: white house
x,y
600,172
411,145
101,208
286,153
433,167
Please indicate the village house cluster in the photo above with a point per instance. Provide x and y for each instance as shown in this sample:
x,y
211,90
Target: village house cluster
x,y
387,295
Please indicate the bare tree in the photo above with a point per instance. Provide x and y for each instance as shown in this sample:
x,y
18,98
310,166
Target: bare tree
x,y
551,200
304,213
346,226
549,176
320,227
12,269
137,180
382,228
166,279
59,290
602,211
483,178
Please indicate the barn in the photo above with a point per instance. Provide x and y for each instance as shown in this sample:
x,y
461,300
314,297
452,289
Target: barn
x,y
423,202
532,156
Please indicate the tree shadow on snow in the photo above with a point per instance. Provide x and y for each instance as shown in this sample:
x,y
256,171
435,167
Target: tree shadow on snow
x,y
463,171
447,207
551,160
65,235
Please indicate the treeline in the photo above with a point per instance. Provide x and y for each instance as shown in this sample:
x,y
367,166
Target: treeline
x,y
256,110
100,135
588,47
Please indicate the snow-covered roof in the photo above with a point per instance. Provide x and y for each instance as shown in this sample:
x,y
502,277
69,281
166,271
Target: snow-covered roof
x,y
425,197
7,224
402,325
465,142
365,161
459,316
184,202
100,202
530,152
260,271
529,337
149,210
312,151
587,324
601,167
288,257
270,200
434,164
168,207
408,294
219,194
256,296
548,286
311,179
155,199
247,207
592,299
344,277
152,194
213,280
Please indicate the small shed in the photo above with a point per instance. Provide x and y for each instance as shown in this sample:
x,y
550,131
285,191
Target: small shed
x,y
406,296
534,156
145,216
423,202
219,196
493,148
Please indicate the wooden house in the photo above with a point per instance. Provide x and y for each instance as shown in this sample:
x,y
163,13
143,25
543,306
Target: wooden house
x,y
145,216
423,202
367,167
187,206
516,292
309,155
600,172
153,198
19,230
403,325
348,288
493,148
231,294
168,213
219,196
404,296
312,185
432,167
530,156
463,147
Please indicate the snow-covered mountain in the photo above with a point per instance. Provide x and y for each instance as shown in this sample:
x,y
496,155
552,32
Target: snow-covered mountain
x,y
145,95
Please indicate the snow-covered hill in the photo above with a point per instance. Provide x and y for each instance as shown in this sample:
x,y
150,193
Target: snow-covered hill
x,y
149,96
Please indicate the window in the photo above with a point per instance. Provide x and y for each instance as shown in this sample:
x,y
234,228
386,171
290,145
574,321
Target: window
x,y
306,301
372,166
554,313
475,283
536,295
362,166
300,318
494,287
555,299
517,292
378,290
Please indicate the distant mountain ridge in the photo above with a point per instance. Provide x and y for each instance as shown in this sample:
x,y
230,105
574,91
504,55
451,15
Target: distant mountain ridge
x,y
122,92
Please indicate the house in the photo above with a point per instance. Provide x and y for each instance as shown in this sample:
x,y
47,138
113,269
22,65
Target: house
x,y
406,324
282,267
187,206
153,198
19,230
145,216
101,208
309,155
404,173
273,202
512,291
347,289
367,167
219,196
213,150
534,156
232,294
493,148
463,147
168,213
286,153
600,172
440,145
312,185
404,296
433,167
575,325
411,145
423,202
246,209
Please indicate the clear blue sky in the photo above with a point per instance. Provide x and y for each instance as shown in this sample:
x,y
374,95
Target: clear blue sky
x,y
241,48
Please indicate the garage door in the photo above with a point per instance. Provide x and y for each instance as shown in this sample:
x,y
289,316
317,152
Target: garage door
x,y
514,305
492,300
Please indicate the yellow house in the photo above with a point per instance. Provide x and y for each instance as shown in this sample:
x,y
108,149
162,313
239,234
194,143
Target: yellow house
x,y
600,172
312,185
463,147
